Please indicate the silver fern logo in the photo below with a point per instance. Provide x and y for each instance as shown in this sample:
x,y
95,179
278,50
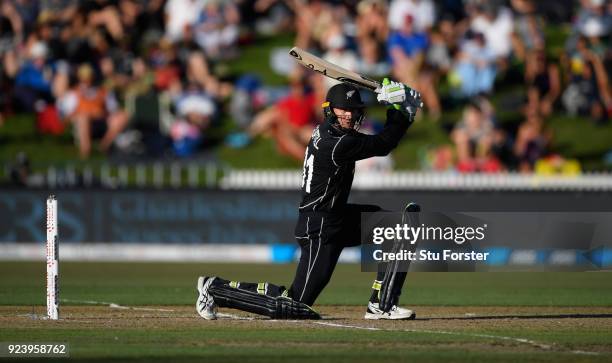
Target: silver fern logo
x,y
350,94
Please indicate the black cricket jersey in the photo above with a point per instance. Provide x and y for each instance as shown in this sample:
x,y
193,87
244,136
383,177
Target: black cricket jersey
x,y
329,161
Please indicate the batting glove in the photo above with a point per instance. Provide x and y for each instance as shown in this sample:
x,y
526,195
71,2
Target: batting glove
x,y
400,96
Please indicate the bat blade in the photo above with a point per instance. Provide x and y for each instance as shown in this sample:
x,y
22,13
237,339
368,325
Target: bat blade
x,y
331,70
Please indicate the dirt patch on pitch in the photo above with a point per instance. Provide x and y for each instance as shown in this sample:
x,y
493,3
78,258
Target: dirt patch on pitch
x,y
484,327
481,318
444,317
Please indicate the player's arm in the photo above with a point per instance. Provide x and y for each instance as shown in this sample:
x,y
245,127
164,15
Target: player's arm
x,y
403,104
357,147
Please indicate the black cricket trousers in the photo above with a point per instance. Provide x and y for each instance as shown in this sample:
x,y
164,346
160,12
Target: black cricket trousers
x,y
322,237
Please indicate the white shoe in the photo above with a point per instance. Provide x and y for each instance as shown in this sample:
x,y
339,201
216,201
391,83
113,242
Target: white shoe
x,y
205,305
396,313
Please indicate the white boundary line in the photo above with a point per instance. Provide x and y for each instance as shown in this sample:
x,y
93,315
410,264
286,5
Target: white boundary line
x,y
489,336
115,306
347,326
123,307
235,317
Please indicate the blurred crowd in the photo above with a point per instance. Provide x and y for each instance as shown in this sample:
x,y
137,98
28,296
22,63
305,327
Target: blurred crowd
x,y
145,77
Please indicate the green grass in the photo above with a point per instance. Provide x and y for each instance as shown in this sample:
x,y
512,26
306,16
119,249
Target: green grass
x,y
582,139
261,154
173,284
149,336
556,36
19,135
255,59
277,345
422,137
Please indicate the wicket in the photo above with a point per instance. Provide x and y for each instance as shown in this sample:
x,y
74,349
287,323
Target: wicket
x,y
52,260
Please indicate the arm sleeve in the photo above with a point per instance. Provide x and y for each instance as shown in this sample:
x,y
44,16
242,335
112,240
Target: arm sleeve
x,y
356,147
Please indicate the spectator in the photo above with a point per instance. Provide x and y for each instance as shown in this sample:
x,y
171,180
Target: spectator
x,y
313,19
166,66
10,35
177,48
149,113
531,142
474,69
128,13
290,121
27,11
452,33
407,49
496,24
372,33
217,28
422,11
57,11
142,79
149,25
196,111
338,53
438,54
529,29
267,16
180,15
543,82
246,100
104,14
12,24
594,20
44,33
588,91
33,80
94,112
502,150
406,45
473,137
76,38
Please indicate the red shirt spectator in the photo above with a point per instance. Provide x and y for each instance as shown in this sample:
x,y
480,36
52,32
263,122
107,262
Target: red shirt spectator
x,y
299,110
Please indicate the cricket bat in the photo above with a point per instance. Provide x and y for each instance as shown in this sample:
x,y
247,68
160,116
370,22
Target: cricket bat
x,y
331,70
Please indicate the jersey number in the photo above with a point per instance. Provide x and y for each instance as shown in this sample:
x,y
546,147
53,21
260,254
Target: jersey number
x,y
308,170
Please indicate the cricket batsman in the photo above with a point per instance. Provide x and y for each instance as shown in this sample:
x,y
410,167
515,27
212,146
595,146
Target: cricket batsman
x,y
326,222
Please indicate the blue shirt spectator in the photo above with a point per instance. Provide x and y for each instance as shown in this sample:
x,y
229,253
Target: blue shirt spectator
x,y
33,76
410,44
407,40
33,79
